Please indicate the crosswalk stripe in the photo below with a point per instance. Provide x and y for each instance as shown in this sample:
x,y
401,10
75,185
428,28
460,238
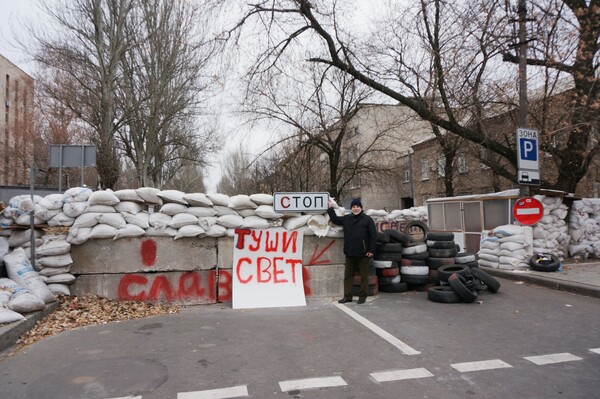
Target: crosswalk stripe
x,y
397,375
553,358
595,350
312,383
223,393
480,365
407,350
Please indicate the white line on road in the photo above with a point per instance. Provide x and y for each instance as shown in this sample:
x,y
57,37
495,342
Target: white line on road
x,y
595,350
312,383
223,393
128,397
481,365
407,350
553,358
397,375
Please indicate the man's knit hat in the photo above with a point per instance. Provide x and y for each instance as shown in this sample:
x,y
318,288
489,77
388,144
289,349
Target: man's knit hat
x,y
356,201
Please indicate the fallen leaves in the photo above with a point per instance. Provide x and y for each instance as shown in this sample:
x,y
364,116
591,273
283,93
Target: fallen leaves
x,y
89,310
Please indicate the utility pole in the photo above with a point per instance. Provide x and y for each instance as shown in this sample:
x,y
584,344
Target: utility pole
x,y
522,122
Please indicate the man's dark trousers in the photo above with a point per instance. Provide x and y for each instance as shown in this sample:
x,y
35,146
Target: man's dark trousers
x,y
352,264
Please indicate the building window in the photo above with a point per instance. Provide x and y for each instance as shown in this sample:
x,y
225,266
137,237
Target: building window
x,y
424,169
441,164
407,176
462,164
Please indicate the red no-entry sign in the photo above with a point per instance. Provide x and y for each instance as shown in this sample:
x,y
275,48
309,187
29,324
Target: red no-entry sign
x,y
528,210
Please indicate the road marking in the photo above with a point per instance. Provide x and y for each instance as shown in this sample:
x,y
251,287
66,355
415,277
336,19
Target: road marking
x,y
312,383
128,397
553,358
397,375
481,365
407,350
223,393
595,350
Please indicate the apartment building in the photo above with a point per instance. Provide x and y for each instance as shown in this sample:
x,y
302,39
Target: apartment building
x,y
16,125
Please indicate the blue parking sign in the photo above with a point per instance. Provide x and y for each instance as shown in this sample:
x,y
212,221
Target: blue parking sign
x,y
527,149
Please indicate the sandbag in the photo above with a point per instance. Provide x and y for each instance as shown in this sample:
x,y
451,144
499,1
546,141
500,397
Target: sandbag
x,y
78,235
139,219
59,289
61,220
56,260
64,278
267,212
159,220
74,209
216,230
161,232
175,196
103,197
19,270
51,201
21,299
189,231
262,199
241,201
77,194
182,219
128,195
54,247
197,199
100,209
87,220
130,230
218,199
149,195
129,207
112,219
230,221
255,222
201,211
47,272
172,208
103,231
9,316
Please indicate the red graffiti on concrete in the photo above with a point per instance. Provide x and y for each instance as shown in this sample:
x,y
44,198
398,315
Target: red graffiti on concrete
x,y
315,257
189,286
148,252
306,279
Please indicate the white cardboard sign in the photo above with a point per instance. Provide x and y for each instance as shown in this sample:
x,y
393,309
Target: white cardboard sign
x,y
267,268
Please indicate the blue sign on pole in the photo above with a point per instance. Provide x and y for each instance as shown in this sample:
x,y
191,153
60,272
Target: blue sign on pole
x,y
527,149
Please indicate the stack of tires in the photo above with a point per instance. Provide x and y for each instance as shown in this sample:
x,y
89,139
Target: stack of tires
x,y
414,270
388,256
373,288
442,249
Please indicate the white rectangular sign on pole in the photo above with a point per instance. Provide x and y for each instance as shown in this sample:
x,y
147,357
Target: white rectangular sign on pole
x,y
300,202
527,149
267,268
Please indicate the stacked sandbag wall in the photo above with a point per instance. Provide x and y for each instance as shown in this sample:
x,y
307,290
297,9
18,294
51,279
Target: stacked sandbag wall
x,y
584,228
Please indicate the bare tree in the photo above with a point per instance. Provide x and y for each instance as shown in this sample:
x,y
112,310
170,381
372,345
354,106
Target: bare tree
x,y
236,173
444,61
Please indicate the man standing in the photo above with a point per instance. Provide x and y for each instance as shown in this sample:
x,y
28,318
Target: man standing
x,y
360,237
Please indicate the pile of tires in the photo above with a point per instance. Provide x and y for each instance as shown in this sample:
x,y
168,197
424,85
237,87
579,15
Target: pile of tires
x,y
442,250
462,284
387,260
414,270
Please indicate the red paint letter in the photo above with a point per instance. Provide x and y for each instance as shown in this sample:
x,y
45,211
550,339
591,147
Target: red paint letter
x,y
276,272
260,270
124,284
237,271
224,286
292,240
293,263
161,285
256,239
148,250
194,290
271,245
241,233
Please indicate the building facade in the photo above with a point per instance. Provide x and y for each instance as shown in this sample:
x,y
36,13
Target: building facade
x,y
16,125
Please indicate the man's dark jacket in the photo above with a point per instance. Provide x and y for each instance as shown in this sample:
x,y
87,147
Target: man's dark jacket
x,y
360,234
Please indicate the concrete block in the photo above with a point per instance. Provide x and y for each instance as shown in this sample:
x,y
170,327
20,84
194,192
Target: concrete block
x,y
322,251
225,252
144,254
184,288
323,281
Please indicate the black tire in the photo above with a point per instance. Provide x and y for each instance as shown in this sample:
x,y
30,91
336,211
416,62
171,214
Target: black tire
x,y
393,256
435,263
442,253
383,238
413,262
443,295
389,280
464,257
398,287
440,244
444,272
414,280
414,248
458,284
472,265
544,262
389,247
396,236
416,231
490,282
440,236
422,256
389,272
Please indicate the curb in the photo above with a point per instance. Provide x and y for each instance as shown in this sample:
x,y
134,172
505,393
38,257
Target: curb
x,y
10,333
546,282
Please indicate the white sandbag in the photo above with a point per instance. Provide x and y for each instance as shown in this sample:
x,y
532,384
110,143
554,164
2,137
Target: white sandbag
x,y
488,263
103,197
74,209
520,254
174,196
128,194
172,208
507,230
19,270
197,199
4,247
230,221
149,195
20,237
216,230
130,230
56,260
513,238
61,220
201,211
182,219
262,199
77,194
6,222
218,199
52,201
296,222
224,210
267,212
492,257
509,260
161,232
255,222
45,214
59,289
246,212
241,201
5,294
319,224
112,219
139,219
9,316
159,220
47,272
103,231
101,209
87,220
23,203
37,242
512,246
333,232
64,278
25,220
78,235
189,231
21,299
129,207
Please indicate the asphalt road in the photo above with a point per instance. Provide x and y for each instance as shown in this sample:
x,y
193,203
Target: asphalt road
x,y
524,342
